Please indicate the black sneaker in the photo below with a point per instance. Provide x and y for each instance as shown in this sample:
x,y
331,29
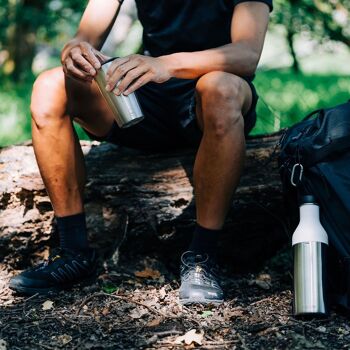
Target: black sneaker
x,y
62,270
199,280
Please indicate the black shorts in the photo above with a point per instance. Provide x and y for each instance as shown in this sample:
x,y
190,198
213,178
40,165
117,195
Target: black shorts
x,y
170,121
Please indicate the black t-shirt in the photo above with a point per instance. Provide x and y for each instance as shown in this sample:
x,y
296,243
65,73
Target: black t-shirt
x,y
186,25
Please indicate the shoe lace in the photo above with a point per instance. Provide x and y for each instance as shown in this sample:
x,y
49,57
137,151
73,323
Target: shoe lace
x,y
197,267
55,254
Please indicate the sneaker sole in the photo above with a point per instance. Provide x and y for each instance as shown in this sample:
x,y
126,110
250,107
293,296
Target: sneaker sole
x,y
52,290
189,301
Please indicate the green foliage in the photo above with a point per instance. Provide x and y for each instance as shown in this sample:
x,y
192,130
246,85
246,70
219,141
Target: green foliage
x,y
43,16
26,24
290,95
109,287
14,111
319,19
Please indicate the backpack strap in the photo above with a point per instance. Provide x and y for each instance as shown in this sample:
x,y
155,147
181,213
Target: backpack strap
x,y
312,113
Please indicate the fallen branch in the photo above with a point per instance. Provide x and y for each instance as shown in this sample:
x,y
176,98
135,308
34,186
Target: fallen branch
x,y
120,297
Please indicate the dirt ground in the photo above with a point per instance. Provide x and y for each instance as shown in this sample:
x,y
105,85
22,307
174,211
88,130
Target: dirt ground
x,y
135,306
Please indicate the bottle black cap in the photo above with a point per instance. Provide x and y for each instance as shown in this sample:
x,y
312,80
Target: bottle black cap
x,y
308,198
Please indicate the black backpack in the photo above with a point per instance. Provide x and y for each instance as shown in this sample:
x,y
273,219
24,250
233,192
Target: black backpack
x,y
315,159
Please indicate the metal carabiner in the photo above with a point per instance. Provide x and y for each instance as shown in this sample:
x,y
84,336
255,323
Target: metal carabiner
x,y
293,173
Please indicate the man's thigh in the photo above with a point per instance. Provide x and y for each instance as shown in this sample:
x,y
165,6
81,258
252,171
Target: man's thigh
x,y
56,96
87,107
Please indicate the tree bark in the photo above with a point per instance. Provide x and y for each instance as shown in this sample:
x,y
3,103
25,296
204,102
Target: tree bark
x,y
148,197
22,38
290,40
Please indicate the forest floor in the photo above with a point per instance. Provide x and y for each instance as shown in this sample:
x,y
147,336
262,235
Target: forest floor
x,y
135,306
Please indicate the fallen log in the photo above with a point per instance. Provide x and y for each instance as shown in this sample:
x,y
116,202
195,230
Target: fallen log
x,y
147,197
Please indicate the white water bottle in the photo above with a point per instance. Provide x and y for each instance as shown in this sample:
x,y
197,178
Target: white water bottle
x,y
310,243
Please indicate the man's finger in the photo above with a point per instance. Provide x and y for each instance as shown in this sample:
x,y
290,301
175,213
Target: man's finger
x,y
75,72
81,62
119,72
115,64
144,79
129,78
87,52
100,56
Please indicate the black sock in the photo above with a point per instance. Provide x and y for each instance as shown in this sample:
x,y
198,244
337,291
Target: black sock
x,y
72,232
205,241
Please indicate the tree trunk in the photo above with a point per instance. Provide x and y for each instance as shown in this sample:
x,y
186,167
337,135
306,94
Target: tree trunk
x,y
148,197
22,38
290,40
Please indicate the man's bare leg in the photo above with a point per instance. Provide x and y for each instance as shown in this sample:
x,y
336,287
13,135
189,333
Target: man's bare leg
x,y
55,100
56,146
222,98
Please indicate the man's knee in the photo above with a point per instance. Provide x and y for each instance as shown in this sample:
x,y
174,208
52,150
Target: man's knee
x,y
221,96
48,102
220,86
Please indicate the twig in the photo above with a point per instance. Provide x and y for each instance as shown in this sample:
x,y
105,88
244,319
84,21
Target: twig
x,y
46,346
167,333
120,297
244,346
260,301
308,324
25,303
207,345
31,297
315,328
115,256
282,223
218,344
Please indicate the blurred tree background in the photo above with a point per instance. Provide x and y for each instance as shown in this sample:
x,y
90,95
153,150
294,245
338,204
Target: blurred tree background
x,y
305,63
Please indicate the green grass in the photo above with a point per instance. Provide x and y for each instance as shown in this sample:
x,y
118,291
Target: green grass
x,y
15,121
289,97
14,111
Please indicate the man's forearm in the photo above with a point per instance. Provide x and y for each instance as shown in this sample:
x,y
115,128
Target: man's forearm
x,y
97,21
236,58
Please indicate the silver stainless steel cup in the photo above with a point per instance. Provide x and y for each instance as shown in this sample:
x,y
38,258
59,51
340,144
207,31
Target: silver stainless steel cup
x,y
126,109
310,294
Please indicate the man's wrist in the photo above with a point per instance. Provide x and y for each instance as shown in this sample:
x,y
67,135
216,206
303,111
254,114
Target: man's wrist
x,y
172,64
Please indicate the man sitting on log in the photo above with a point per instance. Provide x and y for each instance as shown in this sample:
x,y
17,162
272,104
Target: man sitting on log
x,y
194,85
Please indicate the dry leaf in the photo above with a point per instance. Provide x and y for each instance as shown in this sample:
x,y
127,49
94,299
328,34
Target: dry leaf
x,y
263,281
236,313
64,339
105,311
47,305
138,313
154,323
264,277
148,273
3,344
190,337
162,293
263,284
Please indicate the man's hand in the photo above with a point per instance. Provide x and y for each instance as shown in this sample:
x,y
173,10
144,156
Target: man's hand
x,y
80,60
135,71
